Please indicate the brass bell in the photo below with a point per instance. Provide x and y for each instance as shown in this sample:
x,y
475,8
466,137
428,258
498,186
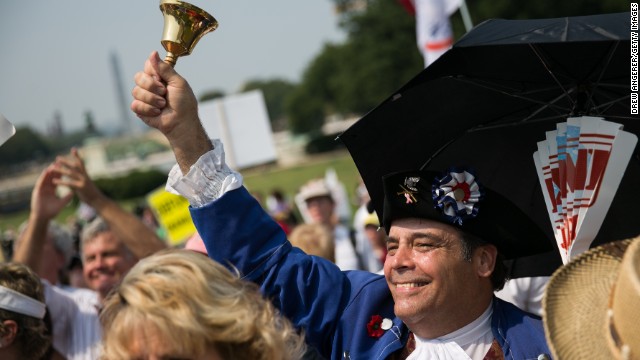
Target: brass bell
x,y
184,25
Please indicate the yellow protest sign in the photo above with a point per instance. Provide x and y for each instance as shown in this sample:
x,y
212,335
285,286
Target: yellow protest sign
x,y
172,212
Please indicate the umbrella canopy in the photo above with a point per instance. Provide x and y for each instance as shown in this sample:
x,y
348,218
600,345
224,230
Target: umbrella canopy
x,y
487,102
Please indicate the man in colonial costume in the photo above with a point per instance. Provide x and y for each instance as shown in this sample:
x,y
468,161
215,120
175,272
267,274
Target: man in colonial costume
x,y
447,235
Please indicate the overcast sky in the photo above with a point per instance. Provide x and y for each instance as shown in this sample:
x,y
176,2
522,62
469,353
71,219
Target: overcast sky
x,y
55,55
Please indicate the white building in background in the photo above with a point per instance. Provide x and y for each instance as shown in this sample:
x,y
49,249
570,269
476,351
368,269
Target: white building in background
x,y
113,157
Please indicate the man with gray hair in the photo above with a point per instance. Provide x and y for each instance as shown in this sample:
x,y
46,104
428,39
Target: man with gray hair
x,y
105,258
110,245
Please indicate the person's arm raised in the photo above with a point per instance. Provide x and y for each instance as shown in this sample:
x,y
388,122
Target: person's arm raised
x,y
136,235
45,205
164,100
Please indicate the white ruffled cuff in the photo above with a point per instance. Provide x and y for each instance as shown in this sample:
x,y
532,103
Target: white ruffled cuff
x,y
207,180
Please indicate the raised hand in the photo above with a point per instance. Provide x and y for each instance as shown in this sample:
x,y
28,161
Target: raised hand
x,y
164,100
72,173
45,202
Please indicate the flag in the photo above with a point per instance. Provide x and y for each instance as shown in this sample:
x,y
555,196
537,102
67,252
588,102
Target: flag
x,y
433,28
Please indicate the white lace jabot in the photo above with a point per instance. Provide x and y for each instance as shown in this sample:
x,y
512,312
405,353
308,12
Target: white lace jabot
x,y
470,342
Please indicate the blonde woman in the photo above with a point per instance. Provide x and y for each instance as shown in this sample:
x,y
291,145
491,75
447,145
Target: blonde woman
x,y
181,304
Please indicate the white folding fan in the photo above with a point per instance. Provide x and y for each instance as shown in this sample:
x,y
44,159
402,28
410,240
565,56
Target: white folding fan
x,y
580,166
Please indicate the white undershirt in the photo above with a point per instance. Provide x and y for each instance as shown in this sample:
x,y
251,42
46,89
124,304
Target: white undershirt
x,y
76,327
471,342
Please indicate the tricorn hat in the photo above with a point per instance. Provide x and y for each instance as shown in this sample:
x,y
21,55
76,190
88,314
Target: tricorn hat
x,y
456,198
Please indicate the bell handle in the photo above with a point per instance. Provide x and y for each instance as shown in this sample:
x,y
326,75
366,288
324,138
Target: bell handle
x,y
171,59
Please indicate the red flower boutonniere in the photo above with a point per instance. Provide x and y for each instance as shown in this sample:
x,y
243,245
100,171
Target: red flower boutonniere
x,y
377,326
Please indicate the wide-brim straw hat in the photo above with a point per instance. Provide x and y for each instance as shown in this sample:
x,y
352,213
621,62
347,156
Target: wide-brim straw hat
x,y
591,306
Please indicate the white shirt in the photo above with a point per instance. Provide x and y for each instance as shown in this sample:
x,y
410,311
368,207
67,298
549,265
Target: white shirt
x,y
525,293
76,327
472,341
345,254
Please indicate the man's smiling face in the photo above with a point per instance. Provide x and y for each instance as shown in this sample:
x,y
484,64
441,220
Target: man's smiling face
x,y
106,261
427,275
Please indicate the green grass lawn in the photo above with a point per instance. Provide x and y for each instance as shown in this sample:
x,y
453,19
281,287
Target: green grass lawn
x,y
258,180
289,180
13,220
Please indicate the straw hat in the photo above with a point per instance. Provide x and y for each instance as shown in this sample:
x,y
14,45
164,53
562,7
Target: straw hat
x,y
591,306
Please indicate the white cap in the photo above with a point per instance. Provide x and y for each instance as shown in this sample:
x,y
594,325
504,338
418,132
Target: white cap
x,y
22,304
314,188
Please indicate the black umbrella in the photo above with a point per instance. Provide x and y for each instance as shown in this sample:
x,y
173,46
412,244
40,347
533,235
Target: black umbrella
x,y
487,102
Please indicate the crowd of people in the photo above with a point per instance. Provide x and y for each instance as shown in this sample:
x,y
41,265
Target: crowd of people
x,y
105,249
418,281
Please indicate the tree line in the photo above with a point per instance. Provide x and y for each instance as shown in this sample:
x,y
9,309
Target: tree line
x,y
378,56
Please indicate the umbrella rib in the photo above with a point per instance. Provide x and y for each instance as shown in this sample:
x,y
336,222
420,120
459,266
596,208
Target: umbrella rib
x,y
481,127
546,66
604,67
543,107
612,102
502,125
446,145
615,86
547,104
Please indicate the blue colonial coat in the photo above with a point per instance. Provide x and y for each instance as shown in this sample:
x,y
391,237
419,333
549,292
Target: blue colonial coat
x,y
333,307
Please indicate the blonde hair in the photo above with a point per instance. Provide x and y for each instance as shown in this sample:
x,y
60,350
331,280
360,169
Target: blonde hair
x,y
193,303
314,239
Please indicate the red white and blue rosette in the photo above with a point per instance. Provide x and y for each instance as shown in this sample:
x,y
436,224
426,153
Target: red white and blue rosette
x,y
457,195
